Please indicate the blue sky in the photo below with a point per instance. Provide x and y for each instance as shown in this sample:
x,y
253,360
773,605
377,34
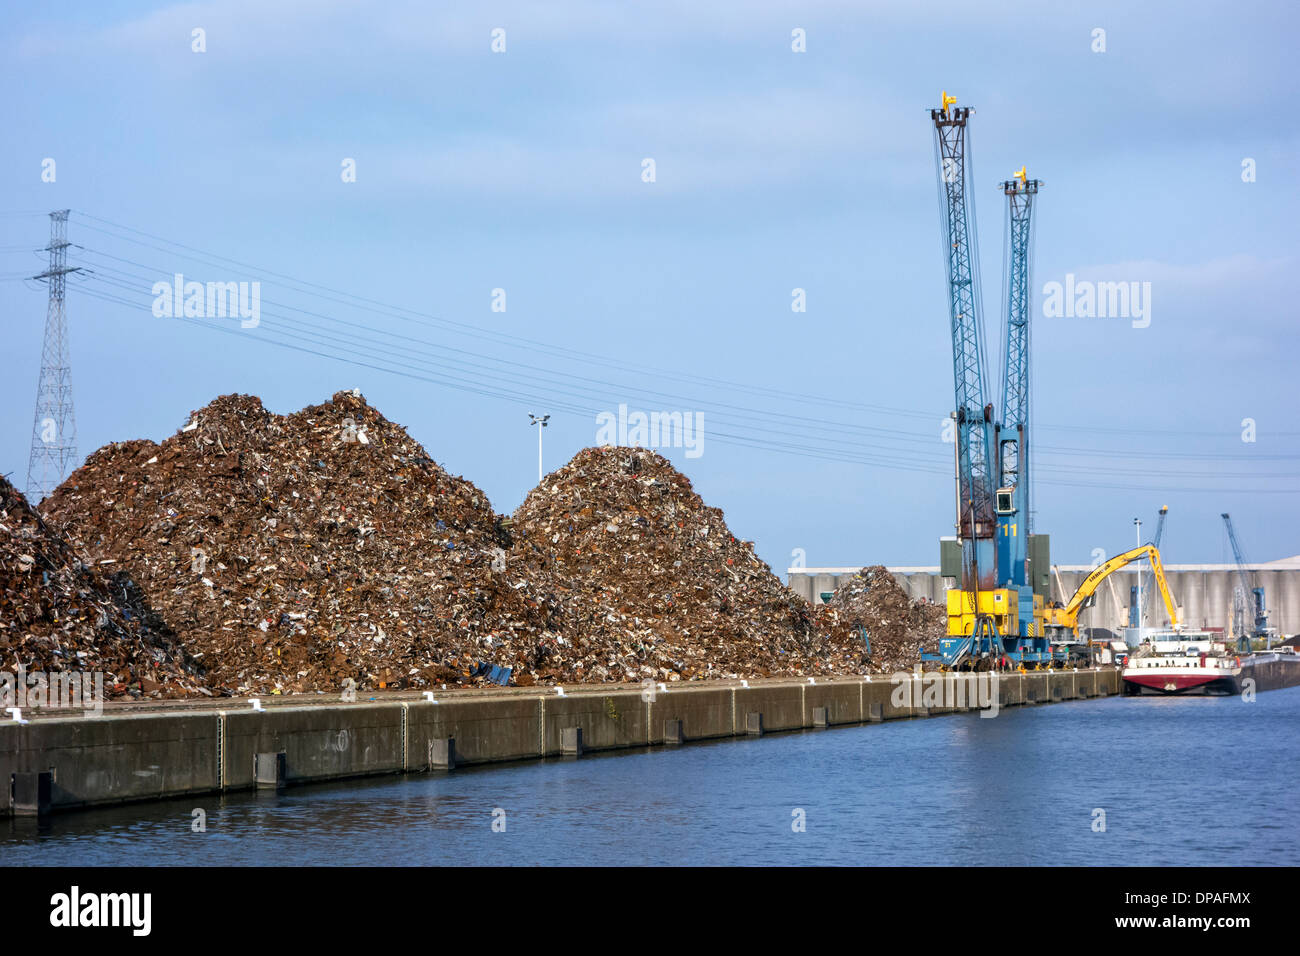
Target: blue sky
x,y
774,170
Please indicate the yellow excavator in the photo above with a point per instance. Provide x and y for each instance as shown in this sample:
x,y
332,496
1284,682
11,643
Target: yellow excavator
x,y
1061,623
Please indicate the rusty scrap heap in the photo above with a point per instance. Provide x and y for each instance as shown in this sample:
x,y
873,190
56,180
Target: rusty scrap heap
x,y
656,587
871,605
294,552
58,614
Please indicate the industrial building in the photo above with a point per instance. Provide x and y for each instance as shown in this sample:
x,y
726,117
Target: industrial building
x,y
1203,592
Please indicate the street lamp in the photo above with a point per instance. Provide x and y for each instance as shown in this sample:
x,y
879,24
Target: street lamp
x,y
541,423
1137,522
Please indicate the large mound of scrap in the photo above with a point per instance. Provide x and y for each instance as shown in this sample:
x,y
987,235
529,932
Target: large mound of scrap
x,y
657,587
58,613
298,553
872,606
295,553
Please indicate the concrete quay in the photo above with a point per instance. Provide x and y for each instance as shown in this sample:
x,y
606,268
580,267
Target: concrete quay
x,y
136,751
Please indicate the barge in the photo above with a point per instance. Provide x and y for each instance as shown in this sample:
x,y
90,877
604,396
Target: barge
x,y
1196,664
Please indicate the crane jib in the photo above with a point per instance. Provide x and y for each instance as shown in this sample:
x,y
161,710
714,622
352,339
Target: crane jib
x,y
975,520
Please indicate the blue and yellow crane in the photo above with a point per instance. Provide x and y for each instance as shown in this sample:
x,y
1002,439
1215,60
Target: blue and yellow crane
x,y
999,612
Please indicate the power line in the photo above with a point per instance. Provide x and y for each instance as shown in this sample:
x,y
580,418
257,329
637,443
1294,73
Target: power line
x,y
530,370
532,345
359,354
397,357
515,341
743,416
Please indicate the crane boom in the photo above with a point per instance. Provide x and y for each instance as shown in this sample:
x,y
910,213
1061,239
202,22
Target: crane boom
x,y
1068,616
1020,192
1012,504
974,416
1146,575
1249,595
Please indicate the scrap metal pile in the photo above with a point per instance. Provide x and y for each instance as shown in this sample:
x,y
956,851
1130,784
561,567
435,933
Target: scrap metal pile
x,y
871,606
58,614
655,584
295,553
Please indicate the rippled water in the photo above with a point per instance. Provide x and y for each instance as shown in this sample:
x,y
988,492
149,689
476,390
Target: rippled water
x,y
1181,781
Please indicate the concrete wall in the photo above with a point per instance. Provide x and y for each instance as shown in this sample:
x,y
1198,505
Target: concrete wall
x,y
102,759
319,743
124,757
1203,594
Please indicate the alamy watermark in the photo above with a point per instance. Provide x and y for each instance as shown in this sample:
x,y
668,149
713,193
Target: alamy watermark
x,y
74,908
215,300
977,689
62,690
1085,299
652,430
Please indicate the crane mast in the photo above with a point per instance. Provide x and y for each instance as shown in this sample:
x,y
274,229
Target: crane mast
x,y
974,416
1012,502
1135,617
1249,595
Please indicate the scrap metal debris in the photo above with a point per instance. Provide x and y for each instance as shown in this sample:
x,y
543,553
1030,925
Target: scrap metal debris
x,y
297,553
655,585
294,555
872,606
59,614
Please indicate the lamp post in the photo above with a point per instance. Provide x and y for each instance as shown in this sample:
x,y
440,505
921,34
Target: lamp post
x,y
540,423
1137,522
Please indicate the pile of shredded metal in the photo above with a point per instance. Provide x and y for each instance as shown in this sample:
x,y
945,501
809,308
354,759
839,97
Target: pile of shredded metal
x,y
871,607
297,553
655,585
59,614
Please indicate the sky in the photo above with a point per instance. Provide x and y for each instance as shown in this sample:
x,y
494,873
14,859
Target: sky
x,y
1164,143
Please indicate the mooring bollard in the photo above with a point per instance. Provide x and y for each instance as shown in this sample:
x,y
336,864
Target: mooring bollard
x,y
571,741
269,770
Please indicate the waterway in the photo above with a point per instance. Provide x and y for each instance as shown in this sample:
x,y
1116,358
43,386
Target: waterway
x,y
1118,781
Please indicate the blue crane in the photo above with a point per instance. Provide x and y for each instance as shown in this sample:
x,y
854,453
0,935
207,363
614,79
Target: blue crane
x,y
1012,502
974,416
994,613
1247,593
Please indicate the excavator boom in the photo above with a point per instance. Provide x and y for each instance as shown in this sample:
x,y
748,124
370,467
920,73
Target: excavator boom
x,y
1069,615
